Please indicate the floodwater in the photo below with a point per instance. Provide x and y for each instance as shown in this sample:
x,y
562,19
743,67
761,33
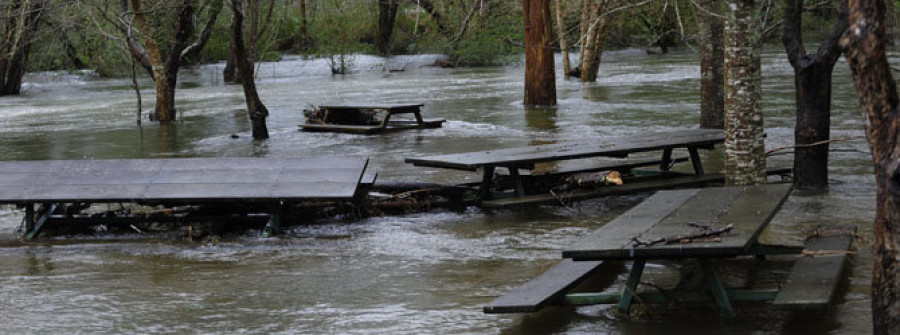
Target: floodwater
x,y
412,274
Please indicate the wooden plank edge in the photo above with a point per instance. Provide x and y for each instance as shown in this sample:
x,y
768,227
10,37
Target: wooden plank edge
x,y
586,269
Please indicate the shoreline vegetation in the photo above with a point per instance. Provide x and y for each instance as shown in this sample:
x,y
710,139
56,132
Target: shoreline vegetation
x,y
83,36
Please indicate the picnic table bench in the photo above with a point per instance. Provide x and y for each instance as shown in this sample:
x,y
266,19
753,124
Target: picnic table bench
x,y
675,214
525,158
271,182
345,119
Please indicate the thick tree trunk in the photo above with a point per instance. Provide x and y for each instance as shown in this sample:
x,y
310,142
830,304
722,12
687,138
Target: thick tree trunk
x,y
745,162
563,43
712,59
387,14
593,29
812,82
255,108
864,45
540,79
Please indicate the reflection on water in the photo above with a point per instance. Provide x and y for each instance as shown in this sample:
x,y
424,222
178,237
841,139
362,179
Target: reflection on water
x,y
422,273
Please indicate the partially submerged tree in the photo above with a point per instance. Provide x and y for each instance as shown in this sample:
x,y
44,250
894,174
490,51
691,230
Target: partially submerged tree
x,y
540,79
593,28
256,110
812,83
561,35
18,28
712,63
745,162
147,52
387,14
864,44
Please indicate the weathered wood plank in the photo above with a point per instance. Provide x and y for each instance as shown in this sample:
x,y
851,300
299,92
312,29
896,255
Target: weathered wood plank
x,y
615,236
365,106
212,179
749,213
813,280
547,289
641,186
610,146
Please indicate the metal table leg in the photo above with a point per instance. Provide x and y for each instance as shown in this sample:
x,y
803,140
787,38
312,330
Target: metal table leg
x,y
486,181
716,288
695,160
637,269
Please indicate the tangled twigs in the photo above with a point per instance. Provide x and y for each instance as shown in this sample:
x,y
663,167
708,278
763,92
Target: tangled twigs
x,y
707,232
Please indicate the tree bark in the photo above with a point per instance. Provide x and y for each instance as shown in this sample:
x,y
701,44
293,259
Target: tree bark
x,y
256,110
864,44
593,29
745,162
712,59
303,39
563,43
540,80
812,82
21,27
387,14
157,68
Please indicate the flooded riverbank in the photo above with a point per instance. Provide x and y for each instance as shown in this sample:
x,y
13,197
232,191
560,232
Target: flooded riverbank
x,y
412,274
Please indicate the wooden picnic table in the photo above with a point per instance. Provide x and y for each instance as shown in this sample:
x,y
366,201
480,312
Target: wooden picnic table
x,y
335,115
268,181
668,214
514,159
672,215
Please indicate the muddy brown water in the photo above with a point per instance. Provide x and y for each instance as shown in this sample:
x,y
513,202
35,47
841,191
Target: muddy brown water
x,y
412,274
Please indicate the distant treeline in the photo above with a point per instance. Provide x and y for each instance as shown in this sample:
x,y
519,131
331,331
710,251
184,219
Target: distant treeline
x,y
82,34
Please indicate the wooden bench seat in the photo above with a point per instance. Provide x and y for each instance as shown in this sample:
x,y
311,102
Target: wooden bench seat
x,y
814,278
547,289
628,188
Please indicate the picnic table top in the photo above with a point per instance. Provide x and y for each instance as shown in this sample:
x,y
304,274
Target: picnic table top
x,y
669,213
604,146
390,108
181,179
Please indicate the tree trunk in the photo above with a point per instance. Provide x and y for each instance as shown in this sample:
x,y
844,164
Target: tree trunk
x,y
812,82
253,42
563,43
877,91
712,59
255,108
593,29
157,68
387,14
303,39
745,162
540,80
230,74
890,22
21,27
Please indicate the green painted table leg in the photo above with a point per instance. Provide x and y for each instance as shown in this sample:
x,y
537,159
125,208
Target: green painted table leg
x,y
716,288
637,269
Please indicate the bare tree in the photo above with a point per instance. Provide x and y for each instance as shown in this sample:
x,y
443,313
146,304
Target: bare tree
x,y
256,110
18,29
147,52
563,43
864,48
593,29
812,81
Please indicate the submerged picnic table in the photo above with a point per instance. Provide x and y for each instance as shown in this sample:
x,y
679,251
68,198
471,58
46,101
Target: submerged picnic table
x,y
270,181
669,216
525,158
344,119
